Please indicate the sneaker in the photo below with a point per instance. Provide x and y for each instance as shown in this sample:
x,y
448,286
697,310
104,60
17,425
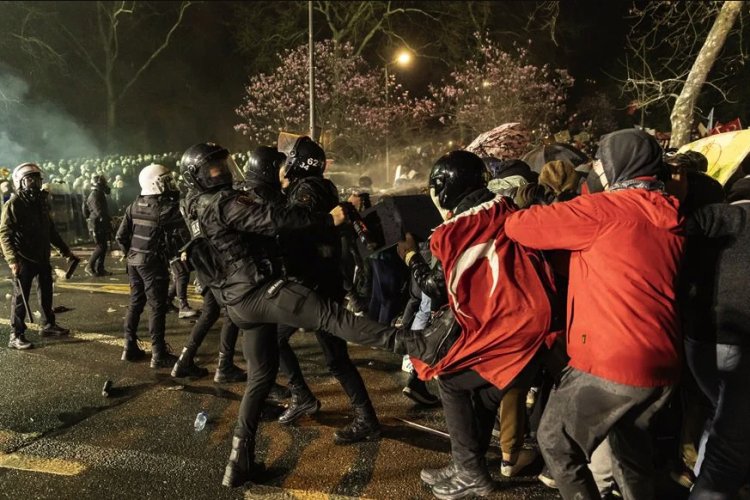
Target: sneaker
x,y
684,478
54,331
187,312
417,391
19,342
525,458
89,271
431,477
546,478
463,484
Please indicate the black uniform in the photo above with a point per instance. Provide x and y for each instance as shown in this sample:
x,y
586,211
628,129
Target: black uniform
x,y
239,229
26,233
226,371
313,256
100,227
142,237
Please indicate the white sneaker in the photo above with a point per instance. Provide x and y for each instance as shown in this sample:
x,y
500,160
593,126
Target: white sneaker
x,y
525,458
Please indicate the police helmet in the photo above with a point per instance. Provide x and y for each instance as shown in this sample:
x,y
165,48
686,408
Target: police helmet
x,y
27,176
306,159
208,166
263,165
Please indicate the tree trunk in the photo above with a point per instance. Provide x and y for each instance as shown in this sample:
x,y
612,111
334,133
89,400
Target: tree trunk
x,y
682,113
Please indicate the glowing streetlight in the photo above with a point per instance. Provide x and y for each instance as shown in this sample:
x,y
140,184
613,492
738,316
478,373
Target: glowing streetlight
x,y
403,59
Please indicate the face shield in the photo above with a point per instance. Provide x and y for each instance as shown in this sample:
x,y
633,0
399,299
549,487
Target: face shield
x,y
221,172
32,182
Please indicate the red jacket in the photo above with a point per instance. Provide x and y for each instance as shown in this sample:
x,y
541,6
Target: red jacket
x,y
499,292
622,310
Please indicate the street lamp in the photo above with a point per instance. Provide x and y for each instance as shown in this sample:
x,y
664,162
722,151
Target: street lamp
x,y
403,59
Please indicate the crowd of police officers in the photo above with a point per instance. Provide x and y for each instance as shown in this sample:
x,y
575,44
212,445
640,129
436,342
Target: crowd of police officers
x,y
265,248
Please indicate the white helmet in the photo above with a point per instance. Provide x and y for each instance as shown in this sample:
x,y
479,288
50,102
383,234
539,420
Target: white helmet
x,y
24,170
155,179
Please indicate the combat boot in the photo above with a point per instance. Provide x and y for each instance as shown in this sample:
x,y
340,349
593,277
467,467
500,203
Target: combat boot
x,y
303,403
227,372
364,427
186,367
240,463
18,341
161,356
132,352
278,394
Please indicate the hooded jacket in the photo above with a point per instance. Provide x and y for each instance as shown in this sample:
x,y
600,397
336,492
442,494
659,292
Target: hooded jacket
x,y
500,293
626,246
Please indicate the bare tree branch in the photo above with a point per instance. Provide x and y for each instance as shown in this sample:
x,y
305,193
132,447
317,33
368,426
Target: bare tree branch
x,y
156,53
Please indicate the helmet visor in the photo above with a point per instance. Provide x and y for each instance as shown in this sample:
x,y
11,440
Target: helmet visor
x,y
223,171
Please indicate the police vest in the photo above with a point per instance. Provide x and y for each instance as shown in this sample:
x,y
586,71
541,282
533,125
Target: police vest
x,y
147,240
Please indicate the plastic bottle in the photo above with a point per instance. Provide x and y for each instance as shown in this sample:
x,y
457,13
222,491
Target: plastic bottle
x,y
200,421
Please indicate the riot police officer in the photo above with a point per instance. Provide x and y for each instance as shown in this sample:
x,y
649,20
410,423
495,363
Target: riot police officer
x,y
143,238
230,252
26,233
99,223
313,256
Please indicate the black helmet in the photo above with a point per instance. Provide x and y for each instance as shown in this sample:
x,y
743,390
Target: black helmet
x,y
455,175
263,166
207,166
306,159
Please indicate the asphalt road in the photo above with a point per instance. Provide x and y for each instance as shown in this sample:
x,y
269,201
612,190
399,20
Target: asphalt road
x,y
60,438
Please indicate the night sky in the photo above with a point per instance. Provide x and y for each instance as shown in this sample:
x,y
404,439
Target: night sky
x,y
189,94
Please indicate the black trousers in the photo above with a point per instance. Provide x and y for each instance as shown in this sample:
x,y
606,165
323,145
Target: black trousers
x,y
22,284
470,404
210,312
148,284
258,313
338,362
179,284
96,263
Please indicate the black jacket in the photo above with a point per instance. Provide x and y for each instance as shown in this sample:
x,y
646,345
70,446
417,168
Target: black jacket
x,y
97,208
240,228
313,253
731,301
432,280
27,230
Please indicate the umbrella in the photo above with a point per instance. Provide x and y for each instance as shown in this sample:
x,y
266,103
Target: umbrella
x,y
537,157
507,141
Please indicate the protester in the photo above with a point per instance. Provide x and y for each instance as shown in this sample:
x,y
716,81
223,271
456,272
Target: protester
x,y
720,364
623,331
507,336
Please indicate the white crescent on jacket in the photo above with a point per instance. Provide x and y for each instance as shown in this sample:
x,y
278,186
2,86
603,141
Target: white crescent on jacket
x,y
467,259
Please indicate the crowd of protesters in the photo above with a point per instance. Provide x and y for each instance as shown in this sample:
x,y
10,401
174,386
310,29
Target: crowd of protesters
x,y
615,293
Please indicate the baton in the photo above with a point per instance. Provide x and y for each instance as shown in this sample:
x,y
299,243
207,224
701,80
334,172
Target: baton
x,y
25,304
72,266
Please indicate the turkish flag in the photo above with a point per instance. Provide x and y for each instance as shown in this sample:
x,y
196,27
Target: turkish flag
x,y
499,291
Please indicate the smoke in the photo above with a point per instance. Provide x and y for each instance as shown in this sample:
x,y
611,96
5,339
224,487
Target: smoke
x,y
36,131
